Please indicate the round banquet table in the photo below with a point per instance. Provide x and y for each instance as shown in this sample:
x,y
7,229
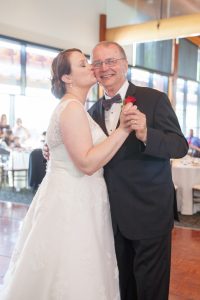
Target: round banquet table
x,y
186,174
18,169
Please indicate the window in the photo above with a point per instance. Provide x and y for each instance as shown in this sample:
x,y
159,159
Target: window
x,y
92,96
25,85
140,77
155,56
38,69
187,60
191,109
180,105
145,78
187,98
35,113
160,82
10,67
198,66
5,106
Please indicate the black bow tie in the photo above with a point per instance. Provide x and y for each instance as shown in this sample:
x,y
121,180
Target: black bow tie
x,y
109,102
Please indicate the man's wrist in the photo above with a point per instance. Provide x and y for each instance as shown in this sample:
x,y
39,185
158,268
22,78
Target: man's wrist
x,y
144,137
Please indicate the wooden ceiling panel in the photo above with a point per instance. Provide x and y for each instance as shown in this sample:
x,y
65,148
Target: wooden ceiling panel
x,y
195,40
170,8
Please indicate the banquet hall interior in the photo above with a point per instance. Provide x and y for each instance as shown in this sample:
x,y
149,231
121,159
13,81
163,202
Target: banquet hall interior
x,y
161,39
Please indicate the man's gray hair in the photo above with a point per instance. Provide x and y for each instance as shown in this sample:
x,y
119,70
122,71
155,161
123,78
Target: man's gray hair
x,y
107,44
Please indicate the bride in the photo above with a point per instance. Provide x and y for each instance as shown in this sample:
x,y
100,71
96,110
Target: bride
x,y
65,249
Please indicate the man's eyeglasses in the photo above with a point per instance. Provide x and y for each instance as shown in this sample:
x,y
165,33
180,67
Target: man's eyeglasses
x,y
110,62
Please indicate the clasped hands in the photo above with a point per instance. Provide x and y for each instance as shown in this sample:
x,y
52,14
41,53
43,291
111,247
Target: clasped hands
x,y
133,119
130,119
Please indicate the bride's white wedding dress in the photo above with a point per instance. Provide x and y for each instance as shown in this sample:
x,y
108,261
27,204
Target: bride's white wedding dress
x,y
65,249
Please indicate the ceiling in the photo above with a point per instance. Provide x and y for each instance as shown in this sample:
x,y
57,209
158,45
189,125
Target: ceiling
x,y
148,10
156,9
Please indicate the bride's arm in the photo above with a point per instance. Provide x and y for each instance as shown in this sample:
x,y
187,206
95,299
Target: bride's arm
x,y
77,139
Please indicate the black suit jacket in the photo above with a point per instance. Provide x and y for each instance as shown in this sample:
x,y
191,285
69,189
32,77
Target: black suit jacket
x,y
37,168
138,178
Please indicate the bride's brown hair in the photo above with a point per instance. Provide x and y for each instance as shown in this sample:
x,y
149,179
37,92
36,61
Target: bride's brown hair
x,y
60,66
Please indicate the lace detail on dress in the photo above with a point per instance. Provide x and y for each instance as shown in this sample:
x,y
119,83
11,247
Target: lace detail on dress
x,y
54,137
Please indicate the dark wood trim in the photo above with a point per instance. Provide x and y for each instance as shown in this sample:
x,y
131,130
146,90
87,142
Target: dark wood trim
x,y
195,40
102,28
173,79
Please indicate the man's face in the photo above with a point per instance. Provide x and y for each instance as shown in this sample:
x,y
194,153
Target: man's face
x,y
110,67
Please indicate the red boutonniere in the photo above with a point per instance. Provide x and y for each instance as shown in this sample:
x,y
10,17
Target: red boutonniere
x,y
129,99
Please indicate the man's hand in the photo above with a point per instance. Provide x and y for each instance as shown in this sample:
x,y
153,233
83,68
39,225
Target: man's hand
x,y
45,151
125,120
137,121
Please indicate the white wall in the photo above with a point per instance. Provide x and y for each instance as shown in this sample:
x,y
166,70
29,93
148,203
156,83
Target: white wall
x,y
120,14
57,23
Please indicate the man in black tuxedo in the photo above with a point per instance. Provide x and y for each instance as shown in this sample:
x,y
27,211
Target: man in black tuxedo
x,y
139,180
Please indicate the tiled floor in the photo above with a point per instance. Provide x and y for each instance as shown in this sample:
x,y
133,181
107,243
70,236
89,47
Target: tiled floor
x,y
185,275
11,216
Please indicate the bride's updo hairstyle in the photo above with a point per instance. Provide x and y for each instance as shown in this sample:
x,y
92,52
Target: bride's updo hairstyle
x,y
60,66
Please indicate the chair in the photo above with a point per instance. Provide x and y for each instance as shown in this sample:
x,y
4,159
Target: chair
x,y
196,193
4,157
37,168
1,175
19,176
176,204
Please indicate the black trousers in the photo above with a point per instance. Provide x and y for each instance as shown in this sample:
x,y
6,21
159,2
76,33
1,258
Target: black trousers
x,y
144,267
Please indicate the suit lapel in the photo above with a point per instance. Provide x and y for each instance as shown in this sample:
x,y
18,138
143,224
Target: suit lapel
x,y
102,117
130,92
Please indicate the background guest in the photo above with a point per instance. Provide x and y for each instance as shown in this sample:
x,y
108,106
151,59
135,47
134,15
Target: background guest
x,y
20,131
7,139
194,144
3,125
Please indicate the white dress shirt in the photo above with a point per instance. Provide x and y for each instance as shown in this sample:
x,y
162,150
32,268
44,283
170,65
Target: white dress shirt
x,y
112,115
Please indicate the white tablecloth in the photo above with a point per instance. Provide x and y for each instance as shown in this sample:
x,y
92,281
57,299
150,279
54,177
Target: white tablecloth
x,y
185,174
19,162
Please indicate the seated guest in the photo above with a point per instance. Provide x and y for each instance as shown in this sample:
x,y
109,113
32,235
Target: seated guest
x,y
10,142
194,144
3,125
8,139
20,131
